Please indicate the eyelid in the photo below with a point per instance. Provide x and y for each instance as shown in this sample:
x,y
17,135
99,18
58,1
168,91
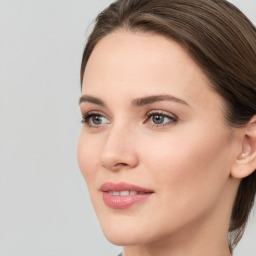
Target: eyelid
x,y
161,112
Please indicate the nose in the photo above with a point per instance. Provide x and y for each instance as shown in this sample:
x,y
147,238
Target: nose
x,y
119,150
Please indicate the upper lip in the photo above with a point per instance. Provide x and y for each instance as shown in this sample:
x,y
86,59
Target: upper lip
x,y
122,186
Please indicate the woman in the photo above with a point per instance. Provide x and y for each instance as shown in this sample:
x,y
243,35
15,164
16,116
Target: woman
x,y
168,145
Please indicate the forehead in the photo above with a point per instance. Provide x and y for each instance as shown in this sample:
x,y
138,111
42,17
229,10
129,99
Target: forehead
x,y
134,64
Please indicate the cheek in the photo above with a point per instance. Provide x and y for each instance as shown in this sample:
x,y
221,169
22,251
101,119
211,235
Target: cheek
x,y
88,158
190,168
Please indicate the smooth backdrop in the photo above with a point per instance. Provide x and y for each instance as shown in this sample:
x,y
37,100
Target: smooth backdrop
x,y
44,204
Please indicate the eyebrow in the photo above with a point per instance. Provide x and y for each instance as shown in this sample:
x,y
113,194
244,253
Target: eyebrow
x,y
136,102
87,98
155,98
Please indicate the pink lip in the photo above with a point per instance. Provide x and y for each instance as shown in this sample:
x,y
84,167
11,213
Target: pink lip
x,y
123,202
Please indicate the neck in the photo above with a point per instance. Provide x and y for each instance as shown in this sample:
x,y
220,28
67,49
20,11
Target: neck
x,y
163,252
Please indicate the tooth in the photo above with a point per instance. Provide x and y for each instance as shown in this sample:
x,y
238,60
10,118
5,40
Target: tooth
x,y
132,193
116,193
124,193
110,192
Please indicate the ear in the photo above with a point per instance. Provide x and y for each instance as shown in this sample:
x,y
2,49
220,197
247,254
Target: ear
x,y
245,162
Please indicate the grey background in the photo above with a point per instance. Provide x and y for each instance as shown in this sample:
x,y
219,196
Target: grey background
x,y
44,205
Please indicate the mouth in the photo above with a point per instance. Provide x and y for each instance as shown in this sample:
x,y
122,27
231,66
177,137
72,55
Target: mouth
x,y
126,193
123,195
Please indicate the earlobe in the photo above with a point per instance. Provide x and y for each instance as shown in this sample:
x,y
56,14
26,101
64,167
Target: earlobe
x,y
245,163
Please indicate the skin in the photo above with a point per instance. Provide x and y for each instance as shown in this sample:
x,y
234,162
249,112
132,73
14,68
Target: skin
x,y
187,162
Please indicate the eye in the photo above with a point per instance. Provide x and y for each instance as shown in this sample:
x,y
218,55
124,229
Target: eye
x,y
94,120
157,118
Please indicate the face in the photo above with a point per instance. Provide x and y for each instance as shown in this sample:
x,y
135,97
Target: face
x,y
154,147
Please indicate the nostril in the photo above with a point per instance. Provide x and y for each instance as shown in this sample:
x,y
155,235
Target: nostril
x,y
116,166
121,164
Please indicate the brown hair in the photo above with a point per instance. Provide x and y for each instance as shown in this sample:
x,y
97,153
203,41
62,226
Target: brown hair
x,y
221,40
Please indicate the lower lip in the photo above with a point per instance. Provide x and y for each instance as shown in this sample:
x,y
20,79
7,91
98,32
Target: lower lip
x,y
123,202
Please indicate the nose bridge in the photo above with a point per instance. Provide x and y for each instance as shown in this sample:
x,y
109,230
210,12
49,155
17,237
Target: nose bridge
x,y
119,150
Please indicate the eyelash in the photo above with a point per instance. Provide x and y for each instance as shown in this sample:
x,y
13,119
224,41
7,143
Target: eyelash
x,y
86,119
173,119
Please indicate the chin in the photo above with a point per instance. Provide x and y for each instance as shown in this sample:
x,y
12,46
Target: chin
x,y
131,232
123,238
123,231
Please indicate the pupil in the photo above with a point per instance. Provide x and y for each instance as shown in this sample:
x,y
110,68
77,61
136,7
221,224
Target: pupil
x,y
97,120
158,119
